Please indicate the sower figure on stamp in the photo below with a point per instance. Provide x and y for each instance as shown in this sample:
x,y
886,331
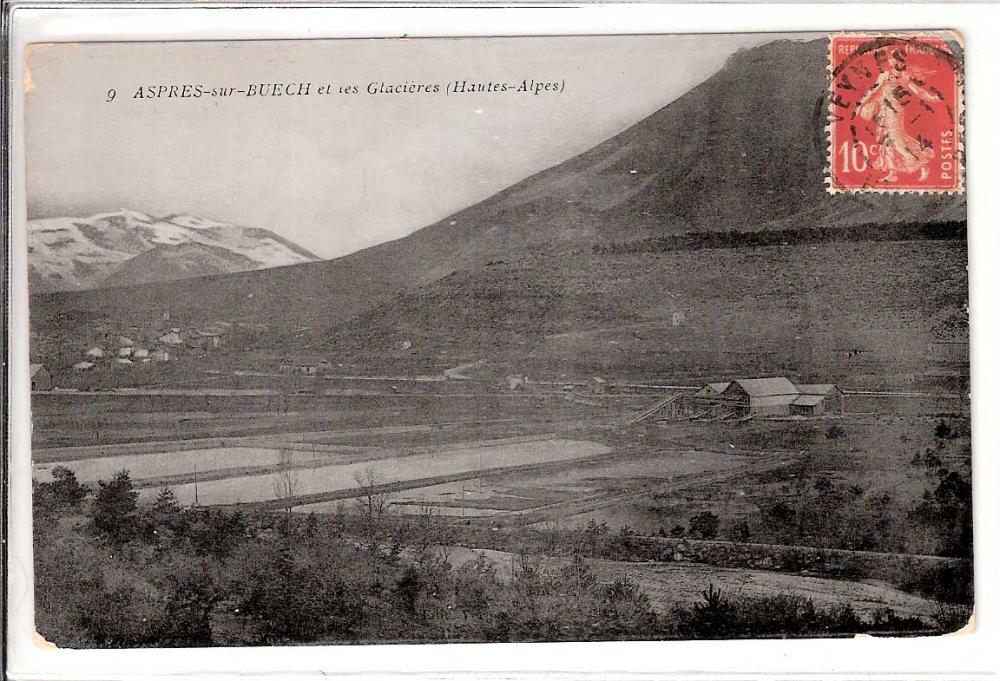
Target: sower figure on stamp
x,y
885,106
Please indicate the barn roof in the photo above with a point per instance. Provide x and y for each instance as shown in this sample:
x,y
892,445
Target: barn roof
x,y
764,387
35,368
719,387
816,388
808,400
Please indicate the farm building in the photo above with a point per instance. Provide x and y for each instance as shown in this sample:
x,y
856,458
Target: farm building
x,y
305,365
517,382
83,366
807,405
712,390
41,379
771,396
598,386
830,399
95,352
746,397
213,335
710,400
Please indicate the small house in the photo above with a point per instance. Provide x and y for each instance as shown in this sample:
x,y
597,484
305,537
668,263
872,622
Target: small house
x,y
831,399
140,353
306,365
41,379
598,386
517,382
198,341
212,335
83,366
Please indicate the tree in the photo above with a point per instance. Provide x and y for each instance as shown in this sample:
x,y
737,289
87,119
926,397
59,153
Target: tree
x,y
286,481
66,488
374,500
115,508
165,511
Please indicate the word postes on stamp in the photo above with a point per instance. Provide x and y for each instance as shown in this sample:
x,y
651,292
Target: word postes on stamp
x,y
895,120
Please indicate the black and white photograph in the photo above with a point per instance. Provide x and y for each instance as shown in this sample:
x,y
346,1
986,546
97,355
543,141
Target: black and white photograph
x,y
498,339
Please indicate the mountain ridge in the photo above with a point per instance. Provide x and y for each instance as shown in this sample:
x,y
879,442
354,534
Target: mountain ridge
x,y
70,253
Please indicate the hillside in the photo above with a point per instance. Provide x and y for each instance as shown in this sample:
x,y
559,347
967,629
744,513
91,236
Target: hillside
x,y
742,151
849,311
127,248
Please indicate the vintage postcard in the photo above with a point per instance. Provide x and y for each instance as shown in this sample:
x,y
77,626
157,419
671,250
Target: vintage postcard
x,y
436,340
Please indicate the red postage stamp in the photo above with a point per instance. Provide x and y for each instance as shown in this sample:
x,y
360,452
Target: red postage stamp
x,y
895,122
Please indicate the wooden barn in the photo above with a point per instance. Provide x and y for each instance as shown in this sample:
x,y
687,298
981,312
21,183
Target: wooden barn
x,y
771,396
710,399
816,399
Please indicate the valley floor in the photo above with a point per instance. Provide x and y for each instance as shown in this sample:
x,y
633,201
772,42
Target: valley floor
x,y
536,474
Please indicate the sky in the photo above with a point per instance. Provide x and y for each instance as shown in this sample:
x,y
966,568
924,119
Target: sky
x,y
333,173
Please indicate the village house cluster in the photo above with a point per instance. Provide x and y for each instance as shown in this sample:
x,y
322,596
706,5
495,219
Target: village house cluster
x,y
155,343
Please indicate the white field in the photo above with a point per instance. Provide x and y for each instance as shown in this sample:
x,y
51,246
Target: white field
x,y
144,466
321,478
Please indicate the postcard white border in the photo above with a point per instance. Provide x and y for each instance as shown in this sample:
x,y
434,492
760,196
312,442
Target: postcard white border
x,y
955,657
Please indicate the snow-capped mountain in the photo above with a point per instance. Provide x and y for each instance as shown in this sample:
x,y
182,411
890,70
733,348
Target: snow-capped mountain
x,y
128,247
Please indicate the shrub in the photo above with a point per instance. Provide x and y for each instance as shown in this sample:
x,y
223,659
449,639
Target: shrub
x,y
943,431
720,616
951,583
705,525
